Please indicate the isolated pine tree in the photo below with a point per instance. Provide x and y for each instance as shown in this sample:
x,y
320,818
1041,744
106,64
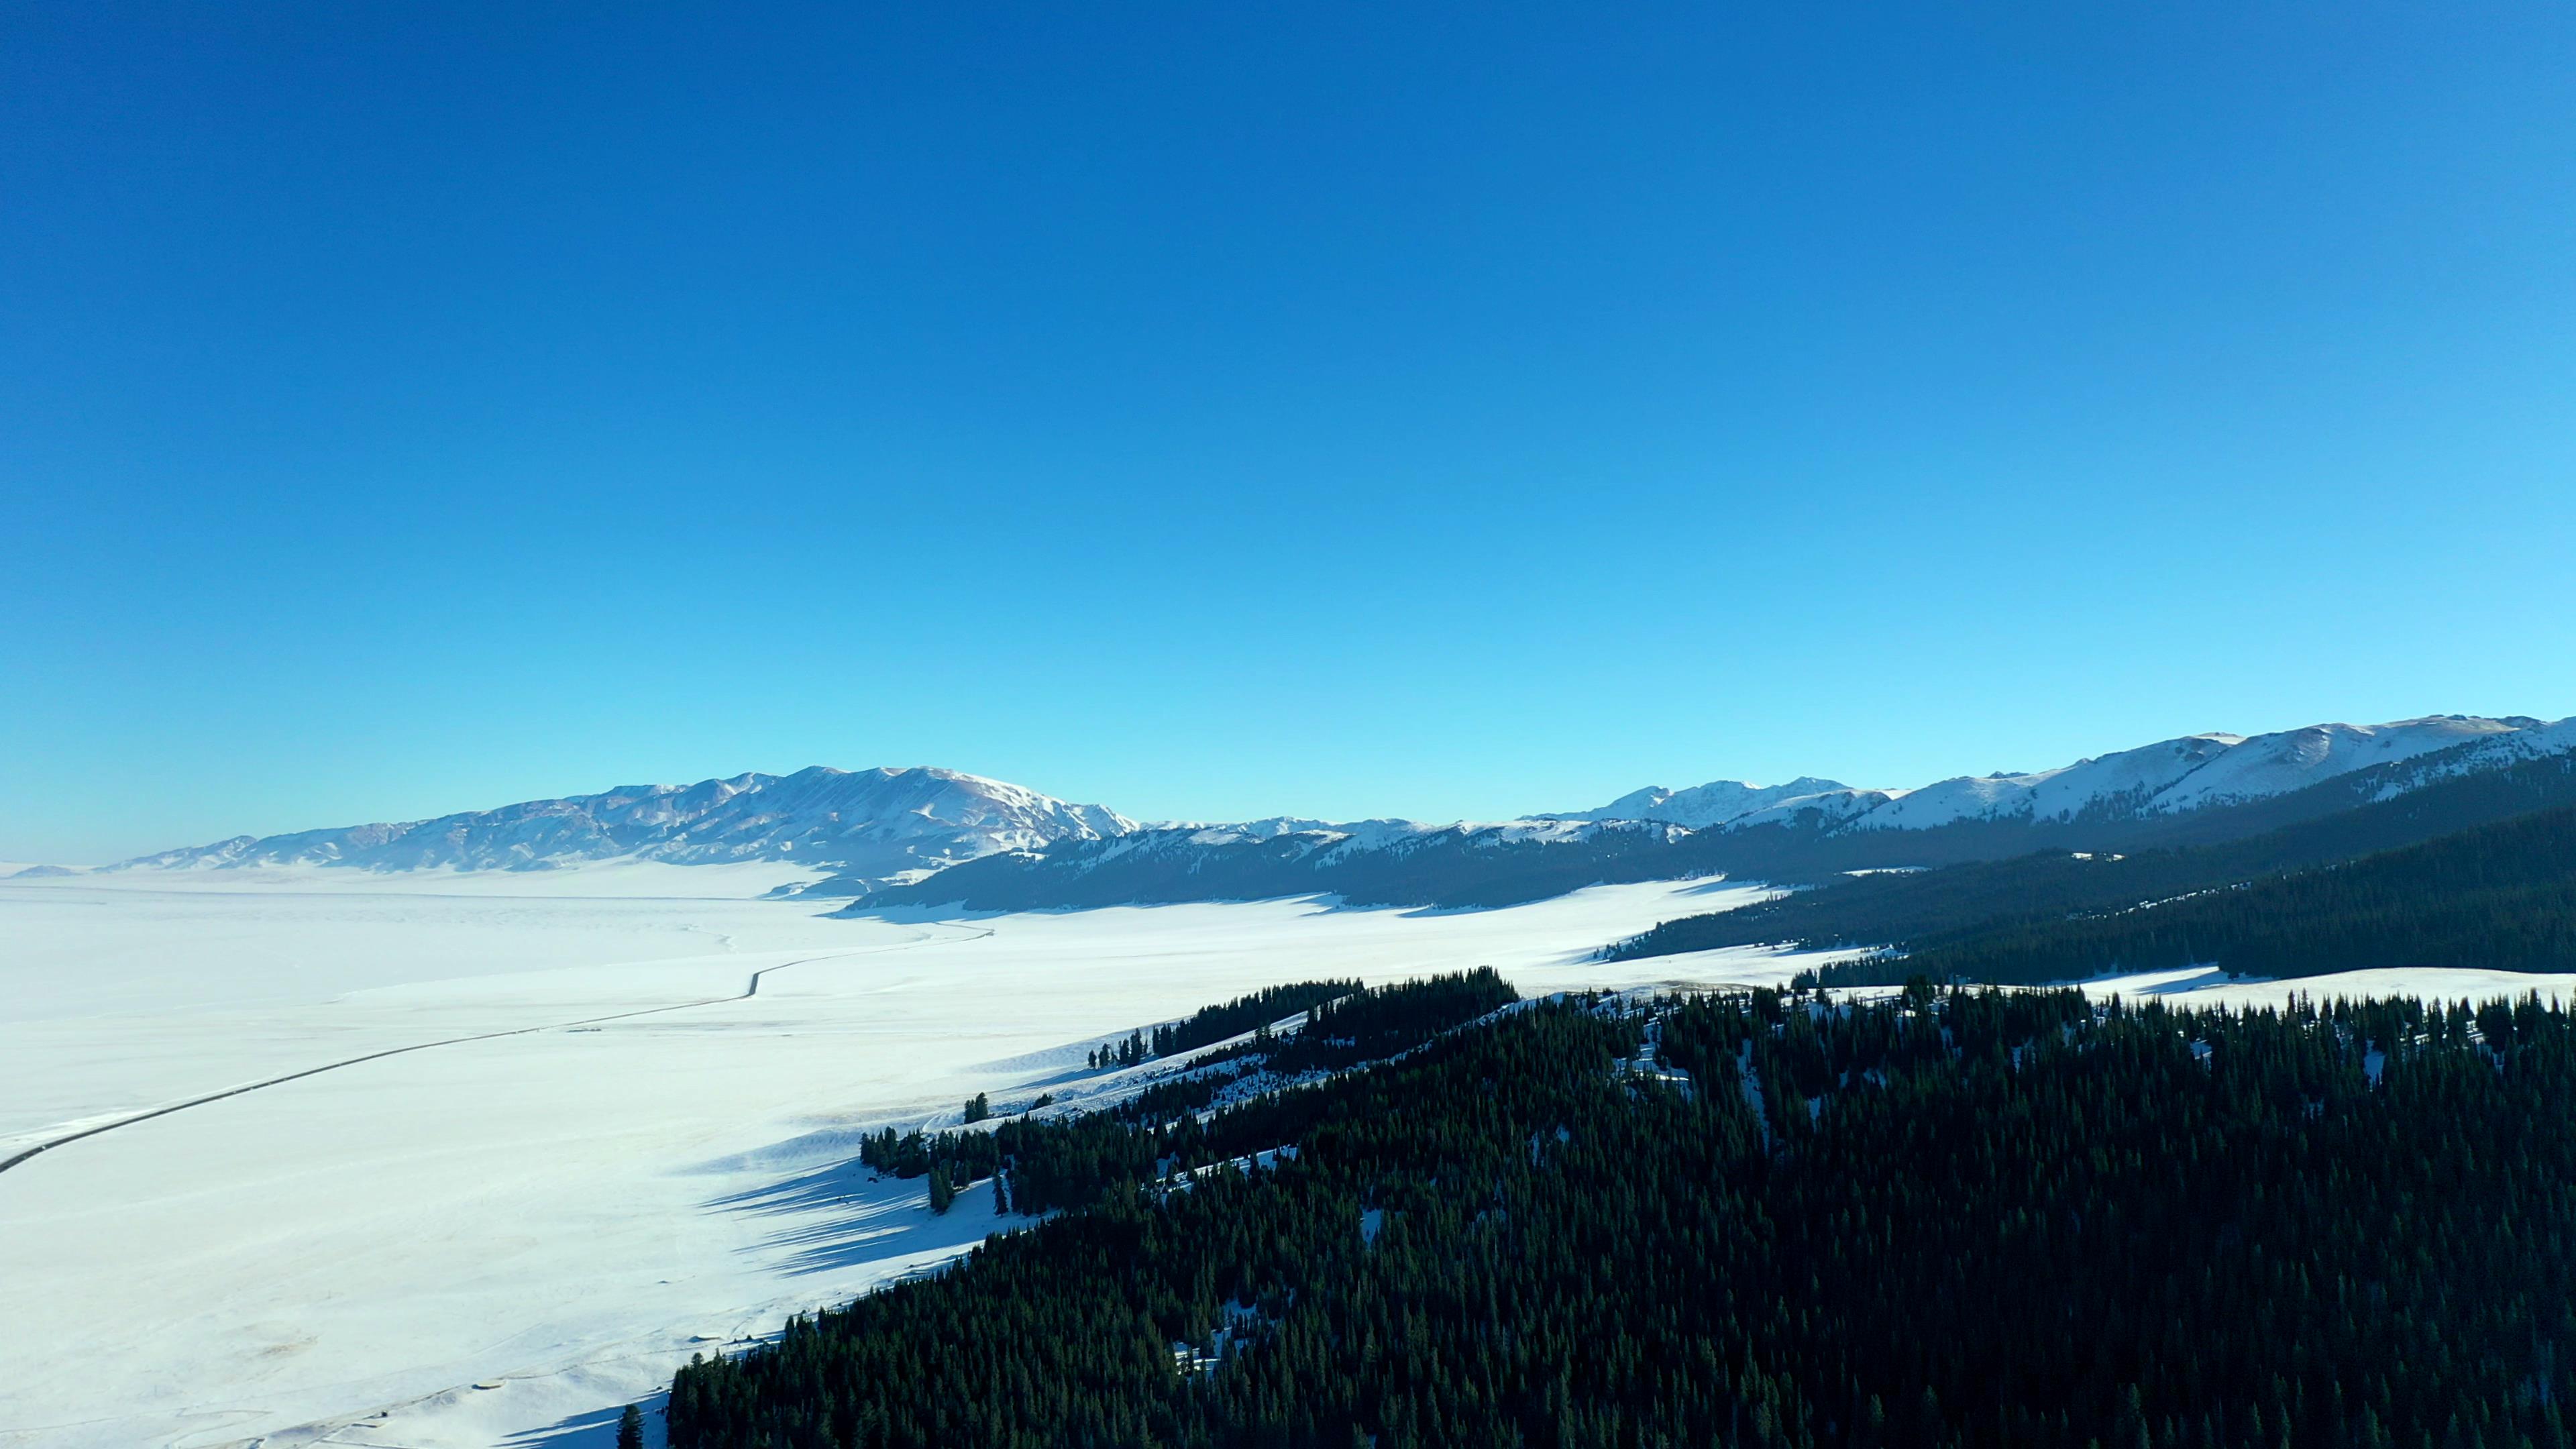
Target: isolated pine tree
x,y
978,1107
630,1428
942,1192
1001,1195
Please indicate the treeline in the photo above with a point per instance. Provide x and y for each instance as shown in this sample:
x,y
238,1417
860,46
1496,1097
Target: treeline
x,y
1371,1024
1072,1162
1473,868
1211,1024
2499,896
1946,1219
1896,907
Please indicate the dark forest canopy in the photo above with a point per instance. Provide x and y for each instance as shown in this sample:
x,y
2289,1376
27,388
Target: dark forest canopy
x,y
1212,1024
1972,1218
2500,896
1072,1162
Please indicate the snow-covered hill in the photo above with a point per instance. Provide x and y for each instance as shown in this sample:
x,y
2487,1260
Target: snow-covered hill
x,y
2194,772
1714,803
883,824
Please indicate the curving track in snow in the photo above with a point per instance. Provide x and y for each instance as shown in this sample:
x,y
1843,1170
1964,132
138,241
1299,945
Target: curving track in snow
x,y
750,989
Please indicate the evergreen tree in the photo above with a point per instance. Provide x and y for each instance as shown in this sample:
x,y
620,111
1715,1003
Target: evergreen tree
x,y
630,1428
942,1192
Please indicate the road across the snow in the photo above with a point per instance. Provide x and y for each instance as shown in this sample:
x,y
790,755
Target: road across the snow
x,y
749,990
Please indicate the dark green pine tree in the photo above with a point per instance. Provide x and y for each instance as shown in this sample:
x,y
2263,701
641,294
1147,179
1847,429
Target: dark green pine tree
x,y
1001,1195
942,1192
630,1428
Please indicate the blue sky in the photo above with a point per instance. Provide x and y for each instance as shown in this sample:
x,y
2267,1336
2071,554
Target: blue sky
x,y
1226,410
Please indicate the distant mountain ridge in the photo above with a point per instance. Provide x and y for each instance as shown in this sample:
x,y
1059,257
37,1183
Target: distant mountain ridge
x,y
2193,789
1715,803
882,825
929,837
2165,778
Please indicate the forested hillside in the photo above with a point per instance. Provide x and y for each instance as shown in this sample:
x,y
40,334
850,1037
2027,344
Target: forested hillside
x,y
1940,1220
2500,896
1925,907
1466,866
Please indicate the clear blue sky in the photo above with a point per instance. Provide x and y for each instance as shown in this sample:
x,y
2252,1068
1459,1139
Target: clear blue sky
x,y
1220,410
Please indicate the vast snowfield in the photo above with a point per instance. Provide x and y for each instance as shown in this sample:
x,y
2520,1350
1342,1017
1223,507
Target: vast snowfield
x,y
612,1157
499,1241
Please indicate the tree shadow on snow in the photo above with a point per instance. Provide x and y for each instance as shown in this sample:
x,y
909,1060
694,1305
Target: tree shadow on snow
x,y
595,1429
845,1217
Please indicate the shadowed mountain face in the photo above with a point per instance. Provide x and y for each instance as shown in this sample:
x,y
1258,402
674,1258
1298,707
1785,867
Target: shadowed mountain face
x,y
1390,863
875,824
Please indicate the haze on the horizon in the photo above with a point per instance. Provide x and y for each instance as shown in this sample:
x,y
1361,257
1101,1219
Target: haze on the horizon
x,y
1215,414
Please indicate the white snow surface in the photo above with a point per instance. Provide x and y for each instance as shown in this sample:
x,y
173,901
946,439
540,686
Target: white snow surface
x,y
567,1211
2198,986
2275,764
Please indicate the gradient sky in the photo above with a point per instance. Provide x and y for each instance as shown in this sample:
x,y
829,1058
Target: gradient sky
x,y
1224,410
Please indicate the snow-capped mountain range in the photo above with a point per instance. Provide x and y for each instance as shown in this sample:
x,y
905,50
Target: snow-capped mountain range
x,y
2194,789
883,824
883,831
2165,778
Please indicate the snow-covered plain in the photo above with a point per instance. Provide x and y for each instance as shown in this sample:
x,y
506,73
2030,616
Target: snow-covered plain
x,y
498,1241
561,1214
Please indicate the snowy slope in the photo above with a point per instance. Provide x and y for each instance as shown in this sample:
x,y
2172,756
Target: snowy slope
x,y
1702,806
564,1215
883,823
2124,783
499,1242
2169,777
2268,765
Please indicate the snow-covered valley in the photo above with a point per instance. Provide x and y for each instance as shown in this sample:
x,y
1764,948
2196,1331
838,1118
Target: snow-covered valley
x,y
563,1213
614,1157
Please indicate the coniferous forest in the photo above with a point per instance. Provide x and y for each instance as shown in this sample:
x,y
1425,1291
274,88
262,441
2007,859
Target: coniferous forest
x,y
2500,896
1946,1218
